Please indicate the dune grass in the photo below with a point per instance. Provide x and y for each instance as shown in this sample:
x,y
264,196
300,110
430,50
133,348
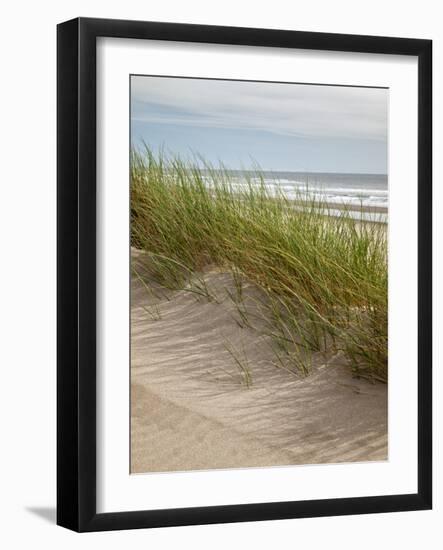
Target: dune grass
x,y
324,277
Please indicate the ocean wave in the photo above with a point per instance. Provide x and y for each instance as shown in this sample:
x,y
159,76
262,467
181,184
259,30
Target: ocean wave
x,y
332,193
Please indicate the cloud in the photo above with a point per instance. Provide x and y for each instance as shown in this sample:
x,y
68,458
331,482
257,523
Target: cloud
x,y
286,109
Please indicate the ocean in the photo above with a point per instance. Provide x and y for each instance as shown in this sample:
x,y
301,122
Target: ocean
x,y
353,190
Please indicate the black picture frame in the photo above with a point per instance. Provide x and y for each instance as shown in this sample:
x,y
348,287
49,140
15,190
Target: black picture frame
x,y
76,274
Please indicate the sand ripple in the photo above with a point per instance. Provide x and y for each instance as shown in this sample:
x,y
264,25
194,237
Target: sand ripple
x,y
190,411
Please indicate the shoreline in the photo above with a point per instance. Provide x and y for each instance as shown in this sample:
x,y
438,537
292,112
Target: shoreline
x,y
367,214
358,208
343,207
366,209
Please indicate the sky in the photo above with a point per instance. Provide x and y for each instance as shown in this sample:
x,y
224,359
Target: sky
x,y
289,127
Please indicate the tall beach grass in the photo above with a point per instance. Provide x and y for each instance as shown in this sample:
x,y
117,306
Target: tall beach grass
x,y
323,278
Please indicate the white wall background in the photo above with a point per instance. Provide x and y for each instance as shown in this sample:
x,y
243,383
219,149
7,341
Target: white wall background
x,y
27,272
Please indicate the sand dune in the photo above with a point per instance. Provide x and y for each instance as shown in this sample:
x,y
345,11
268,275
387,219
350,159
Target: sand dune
x,y
190,408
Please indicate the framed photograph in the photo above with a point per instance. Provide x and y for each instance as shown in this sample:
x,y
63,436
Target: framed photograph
x,y
244,274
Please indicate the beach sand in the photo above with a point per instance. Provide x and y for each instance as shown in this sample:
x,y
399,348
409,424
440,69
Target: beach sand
x,y
190,408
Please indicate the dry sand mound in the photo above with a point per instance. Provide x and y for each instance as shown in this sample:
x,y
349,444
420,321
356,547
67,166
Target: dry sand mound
x,y
190,409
